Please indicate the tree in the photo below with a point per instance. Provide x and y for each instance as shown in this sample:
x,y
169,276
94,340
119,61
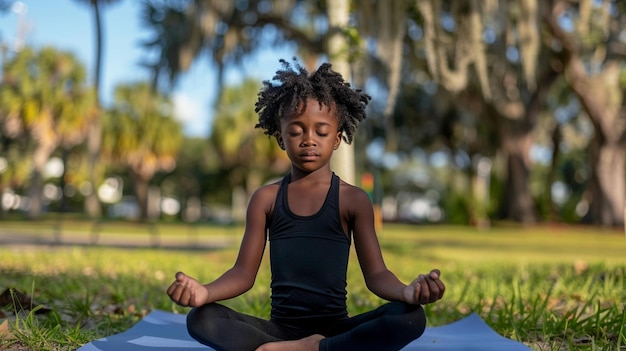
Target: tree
x,y
92,205
230,31
249,156
140,133
198,177
43,94
488,54
15,168
338,13
385,24
592,52
227,30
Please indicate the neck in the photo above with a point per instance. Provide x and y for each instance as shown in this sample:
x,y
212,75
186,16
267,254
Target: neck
x,y
323,173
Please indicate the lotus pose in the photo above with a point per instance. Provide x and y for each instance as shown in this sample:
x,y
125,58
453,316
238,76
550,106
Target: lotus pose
x,y
310,219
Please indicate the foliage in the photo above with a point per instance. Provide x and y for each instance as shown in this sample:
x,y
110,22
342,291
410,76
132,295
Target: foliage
x,y
457,207
229,31
142,134
198,174
45,101
249,156
467,72
92,205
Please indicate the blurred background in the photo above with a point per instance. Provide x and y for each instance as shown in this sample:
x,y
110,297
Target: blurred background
x,y
482,111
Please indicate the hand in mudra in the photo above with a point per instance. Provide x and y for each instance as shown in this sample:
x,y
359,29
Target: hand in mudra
x,y
187,292
426,288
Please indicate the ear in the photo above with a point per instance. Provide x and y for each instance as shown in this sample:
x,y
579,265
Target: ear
x,y
279,140
337,140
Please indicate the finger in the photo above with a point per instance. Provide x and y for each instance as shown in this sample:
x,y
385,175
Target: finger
x,y
433,290
424,293
192,298
442,288
416,292
176,293
185,298
180,280
181,295
172,288
439,287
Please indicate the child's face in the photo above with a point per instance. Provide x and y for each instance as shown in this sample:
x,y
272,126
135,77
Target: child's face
x,y
310,137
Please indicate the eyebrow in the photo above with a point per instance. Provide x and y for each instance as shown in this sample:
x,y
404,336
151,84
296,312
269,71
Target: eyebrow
x,y
317,124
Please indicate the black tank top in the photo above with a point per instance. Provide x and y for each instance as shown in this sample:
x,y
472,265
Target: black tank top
x,y
308,259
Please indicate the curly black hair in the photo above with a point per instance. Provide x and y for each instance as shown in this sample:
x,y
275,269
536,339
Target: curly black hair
x,y
294,86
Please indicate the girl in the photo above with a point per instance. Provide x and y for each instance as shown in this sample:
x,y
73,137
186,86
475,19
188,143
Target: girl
x,y
310,219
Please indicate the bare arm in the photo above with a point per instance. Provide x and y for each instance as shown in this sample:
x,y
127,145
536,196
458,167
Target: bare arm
x,y
379,279
186,291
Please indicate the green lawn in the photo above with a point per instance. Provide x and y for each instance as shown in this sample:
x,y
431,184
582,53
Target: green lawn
x,y
551,287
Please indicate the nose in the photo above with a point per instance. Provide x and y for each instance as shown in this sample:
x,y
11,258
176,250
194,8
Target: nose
x,y
309,139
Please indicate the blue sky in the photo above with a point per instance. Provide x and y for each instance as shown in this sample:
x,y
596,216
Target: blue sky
x,y
67,25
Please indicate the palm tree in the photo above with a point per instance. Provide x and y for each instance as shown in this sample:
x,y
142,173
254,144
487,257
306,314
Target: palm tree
x,y
15,170
248,155
92,205
141,134
43,96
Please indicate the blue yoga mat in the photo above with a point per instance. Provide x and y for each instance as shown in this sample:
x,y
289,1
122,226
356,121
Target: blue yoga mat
x,y
161,330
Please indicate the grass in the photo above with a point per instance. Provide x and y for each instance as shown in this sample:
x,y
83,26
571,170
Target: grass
x,y
550,287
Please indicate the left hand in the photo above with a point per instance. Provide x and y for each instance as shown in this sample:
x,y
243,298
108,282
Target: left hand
x,y
426,288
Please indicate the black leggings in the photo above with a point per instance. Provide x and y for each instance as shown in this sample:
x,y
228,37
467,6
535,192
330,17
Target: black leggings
x,y
390,327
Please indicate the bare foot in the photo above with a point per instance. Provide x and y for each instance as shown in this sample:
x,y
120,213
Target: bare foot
x,y
310,343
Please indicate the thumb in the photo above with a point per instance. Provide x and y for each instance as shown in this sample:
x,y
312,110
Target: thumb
x,y
180,276
412,292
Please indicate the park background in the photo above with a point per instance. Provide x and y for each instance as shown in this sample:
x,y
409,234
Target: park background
x,y
497,117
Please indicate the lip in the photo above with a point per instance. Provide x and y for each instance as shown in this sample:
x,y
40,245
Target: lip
x,y
309,155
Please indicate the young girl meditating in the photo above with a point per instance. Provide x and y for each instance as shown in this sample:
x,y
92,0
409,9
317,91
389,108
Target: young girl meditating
x,y
310,218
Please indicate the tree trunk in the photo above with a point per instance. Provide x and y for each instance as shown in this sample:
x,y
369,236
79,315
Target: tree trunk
x,y
606,154
601,96
141,192
607,183
253,182
34,212
552,211
92,205
40,158
515,121
342,161
63,207
518,203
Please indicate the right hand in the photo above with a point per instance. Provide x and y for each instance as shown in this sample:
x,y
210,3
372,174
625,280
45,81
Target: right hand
x,y
187,291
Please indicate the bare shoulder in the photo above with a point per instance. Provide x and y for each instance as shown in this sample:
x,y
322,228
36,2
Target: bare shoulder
x,y
353,197
264,197
350,190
